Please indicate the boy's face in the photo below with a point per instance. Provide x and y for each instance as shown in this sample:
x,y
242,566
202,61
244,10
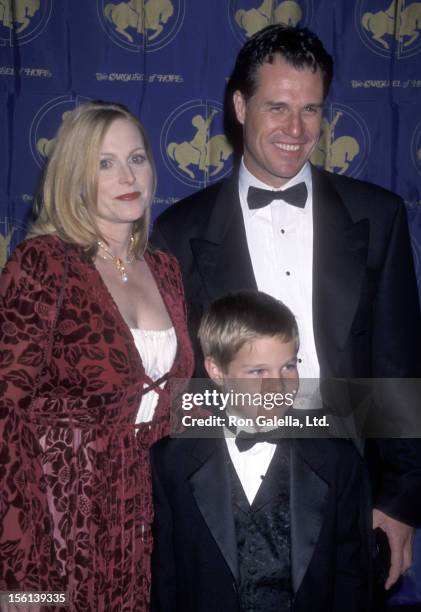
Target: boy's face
x,y
265,365
266,357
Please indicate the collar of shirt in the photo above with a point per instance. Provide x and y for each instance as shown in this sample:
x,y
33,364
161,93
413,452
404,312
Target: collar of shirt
x,y
262,448
251,465
246,180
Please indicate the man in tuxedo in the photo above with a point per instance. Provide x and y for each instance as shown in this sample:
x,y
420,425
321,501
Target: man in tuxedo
x,y
259,521
334,249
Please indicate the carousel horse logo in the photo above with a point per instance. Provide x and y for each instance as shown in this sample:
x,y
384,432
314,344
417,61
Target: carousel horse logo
x,y
342,153
248,20
393,28
12,232
202,155
142,24
46,123
44,145
23,20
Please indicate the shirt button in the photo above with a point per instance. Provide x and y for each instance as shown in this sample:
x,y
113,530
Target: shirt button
x,y
252,571
282,231
288,273
252,549
300,360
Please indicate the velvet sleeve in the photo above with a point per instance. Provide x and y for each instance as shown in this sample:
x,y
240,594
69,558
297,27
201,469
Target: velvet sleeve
x,y
27,309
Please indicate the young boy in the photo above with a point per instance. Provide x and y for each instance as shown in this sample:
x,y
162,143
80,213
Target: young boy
x,y
250,524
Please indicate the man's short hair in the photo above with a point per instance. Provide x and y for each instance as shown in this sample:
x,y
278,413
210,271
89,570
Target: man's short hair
x,y
299,47
242,317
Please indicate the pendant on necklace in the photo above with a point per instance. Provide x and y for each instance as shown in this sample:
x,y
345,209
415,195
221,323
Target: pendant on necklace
x,y
119,264
118,261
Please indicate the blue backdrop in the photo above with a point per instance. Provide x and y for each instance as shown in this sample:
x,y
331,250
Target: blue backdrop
x,y
168,61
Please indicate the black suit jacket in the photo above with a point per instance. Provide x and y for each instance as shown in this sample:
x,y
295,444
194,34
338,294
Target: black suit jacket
x,y
366,312
194,562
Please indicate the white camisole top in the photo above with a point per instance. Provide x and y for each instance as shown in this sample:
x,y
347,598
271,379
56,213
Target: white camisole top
x,y
157,349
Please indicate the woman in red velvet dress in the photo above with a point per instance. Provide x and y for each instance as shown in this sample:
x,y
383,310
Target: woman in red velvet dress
x,y
92,324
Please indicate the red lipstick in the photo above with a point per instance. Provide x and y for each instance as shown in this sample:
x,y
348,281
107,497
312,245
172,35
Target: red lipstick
x,y
128,197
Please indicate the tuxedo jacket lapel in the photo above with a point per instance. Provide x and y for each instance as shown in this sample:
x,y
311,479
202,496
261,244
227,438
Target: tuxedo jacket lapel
x,y
212,491
340,249
308,494
222,256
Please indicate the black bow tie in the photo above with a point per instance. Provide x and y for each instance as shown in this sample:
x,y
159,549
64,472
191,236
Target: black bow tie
x,y
258,198
245,440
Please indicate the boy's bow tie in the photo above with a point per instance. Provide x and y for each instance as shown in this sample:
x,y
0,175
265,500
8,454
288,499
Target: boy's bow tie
x,y
245,440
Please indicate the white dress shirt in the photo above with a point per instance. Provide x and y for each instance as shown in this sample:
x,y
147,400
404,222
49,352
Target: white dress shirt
x,y
251,465
280,243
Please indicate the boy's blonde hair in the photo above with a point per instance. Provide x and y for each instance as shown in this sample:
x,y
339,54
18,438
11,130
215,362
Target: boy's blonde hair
x,y
67,199
238,318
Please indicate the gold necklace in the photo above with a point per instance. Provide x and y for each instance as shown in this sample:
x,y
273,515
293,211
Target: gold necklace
x,y
119,262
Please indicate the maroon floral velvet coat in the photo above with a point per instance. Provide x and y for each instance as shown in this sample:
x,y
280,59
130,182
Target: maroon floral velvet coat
x,y
75,490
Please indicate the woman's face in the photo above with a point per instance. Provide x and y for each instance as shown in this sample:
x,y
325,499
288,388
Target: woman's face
x,y
125,176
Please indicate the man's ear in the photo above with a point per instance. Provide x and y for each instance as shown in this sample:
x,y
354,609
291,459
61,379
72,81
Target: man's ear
x,y
214,370
239,106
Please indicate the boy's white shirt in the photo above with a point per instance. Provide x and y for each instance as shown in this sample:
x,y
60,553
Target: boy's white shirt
x,y
251,465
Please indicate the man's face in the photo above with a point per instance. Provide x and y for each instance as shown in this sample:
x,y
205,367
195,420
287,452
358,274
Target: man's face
x,y
281,121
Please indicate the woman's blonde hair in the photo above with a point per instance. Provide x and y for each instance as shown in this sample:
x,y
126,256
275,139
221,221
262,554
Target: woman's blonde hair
x,y
67,198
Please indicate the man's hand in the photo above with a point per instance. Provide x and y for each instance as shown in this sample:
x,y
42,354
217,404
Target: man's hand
x,y
401,539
